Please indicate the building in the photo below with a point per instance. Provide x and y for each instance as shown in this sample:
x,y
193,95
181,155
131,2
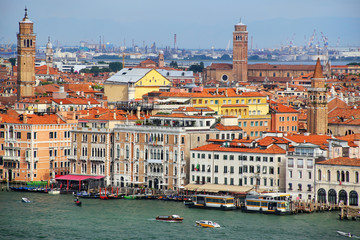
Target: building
x,y
337,180
132,83
284,118
260,164
157,154
34,147
93,140
26,40
317,115
49,55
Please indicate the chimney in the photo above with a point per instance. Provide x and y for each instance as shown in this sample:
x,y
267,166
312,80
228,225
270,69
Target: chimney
x,y
25,117
217,89
58,120
226,93
138,112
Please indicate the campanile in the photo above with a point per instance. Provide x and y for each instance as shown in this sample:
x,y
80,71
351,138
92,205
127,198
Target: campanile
x,y
240,52
25,58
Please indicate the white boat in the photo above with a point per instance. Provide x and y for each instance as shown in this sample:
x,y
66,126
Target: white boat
x,y
54,192
347,234
207,224
276,203
212,201
24,199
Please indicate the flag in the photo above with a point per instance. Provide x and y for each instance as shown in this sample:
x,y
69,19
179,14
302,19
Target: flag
x,y
197,167
340,182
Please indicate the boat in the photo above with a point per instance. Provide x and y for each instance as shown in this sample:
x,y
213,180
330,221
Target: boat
x,y
347,234
77,202
170,218
207,224
275,203
54,192
130,197
24,199
211,201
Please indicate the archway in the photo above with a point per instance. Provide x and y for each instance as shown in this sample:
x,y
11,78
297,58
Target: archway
x,y
343,196
353,198
321,195
156,183
332,196
122,181
150,183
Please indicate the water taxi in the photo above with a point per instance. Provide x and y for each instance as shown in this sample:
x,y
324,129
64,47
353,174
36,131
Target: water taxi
x,y
212,201
24,199
207,224
275,203
170,218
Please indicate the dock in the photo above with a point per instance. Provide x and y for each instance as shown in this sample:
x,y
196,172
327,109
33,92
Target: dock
x,y
349,212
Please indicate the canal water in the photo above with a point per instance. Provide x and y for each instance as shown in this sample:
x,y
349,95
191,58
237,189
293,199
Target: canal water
x,y
57,217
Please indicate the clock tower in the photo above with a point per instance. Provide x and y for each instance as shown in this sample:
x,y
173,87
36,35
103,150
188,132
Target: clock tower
x,y
25,58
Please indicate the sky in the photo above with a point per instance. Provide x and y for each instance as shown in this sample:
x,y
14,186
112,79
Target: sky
x,y
198,24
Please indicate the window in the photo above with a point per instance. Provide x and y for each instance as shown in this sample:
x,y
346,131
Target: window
x,y
28,135
216,168
225,169
231,169
309,175
300,174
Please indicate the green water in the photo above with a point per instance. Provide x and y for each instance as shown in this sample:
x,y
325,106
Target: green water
x,y
57,217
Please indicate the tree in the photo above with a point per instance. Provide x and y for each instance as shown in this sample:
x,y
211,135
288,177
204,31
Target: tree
x,y
12,61
196,67
173,64
115,66
225,57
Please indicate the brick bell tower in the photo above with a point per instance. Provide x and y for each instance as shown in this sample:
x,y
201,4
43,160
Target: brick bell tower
x,y
25,58
317,116
240,52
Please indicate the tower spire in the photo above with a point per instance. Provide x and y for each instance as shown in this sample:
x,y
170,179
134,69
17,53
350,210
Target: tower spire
x,y
318,73
26,15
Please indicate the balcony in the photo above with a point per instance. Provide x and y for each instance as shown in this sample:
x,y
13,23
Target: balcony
x,y
301,154
11,158
83,158
97,159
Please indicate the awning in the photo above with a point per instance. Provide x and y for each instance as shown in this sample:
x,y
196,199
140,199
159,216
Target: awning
x,y
217,188
78,177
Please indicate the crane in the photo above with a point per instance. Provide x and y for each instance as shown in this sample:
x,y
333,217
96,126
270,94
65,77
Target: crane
x,y
228,46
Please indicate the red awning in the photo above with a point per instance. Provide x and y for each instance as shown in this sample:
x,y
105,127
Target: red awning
x,y
78,177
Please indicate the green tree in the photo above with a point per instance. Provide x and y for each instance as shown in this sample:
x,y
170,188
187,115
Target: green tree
x,y
173,64
196,67
115,66
12,61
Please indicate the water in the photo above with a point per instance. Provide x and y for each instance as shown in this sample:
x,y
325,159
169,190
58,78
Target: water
x,y
57,217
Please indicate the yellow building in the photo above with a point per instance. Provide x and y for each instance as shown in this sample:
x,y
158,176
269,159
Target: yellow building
x,y
251,108
132,83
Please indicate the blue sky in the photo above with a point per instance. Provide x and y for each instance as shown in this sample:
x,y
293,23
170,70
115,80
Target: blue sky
x,y
197,23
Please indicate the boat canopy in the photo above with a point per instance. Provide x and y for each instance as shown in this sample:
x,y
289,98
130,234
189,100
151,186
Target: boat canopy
x,y
78,177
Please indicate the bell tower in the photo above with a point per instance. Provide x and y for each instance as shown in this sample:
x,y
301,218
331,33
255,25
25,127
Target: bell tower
x,y
25,58
49,55
240,52
317,116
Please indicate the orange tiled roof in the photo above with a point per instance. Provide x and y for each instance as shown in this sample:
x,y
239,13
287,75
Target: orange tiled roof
x,y
266,141
181,115
221,127
43,70
342,161
211,93
273,149
280,108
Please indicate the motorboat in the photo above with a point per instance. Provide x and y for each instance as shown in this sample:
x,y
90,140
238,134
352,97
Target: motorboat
x,y
347,234
170,218
24,199
54,192
207,224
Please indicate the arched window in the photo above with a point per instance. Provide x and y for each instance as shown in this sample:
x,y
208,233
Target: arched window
x,y
118,151
182,155
176,156
137,153
162,155
151,154
353,198
332,196
342,176
274,74
288,74
146,154
347,176
260,74
338,176
321,195
167,155
328,175
343,196
319,175
158,154
356,177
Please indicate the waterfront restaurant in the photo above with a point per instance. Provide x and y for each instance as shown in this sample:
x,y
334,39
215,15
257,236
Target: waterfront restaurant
x,y
79,182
